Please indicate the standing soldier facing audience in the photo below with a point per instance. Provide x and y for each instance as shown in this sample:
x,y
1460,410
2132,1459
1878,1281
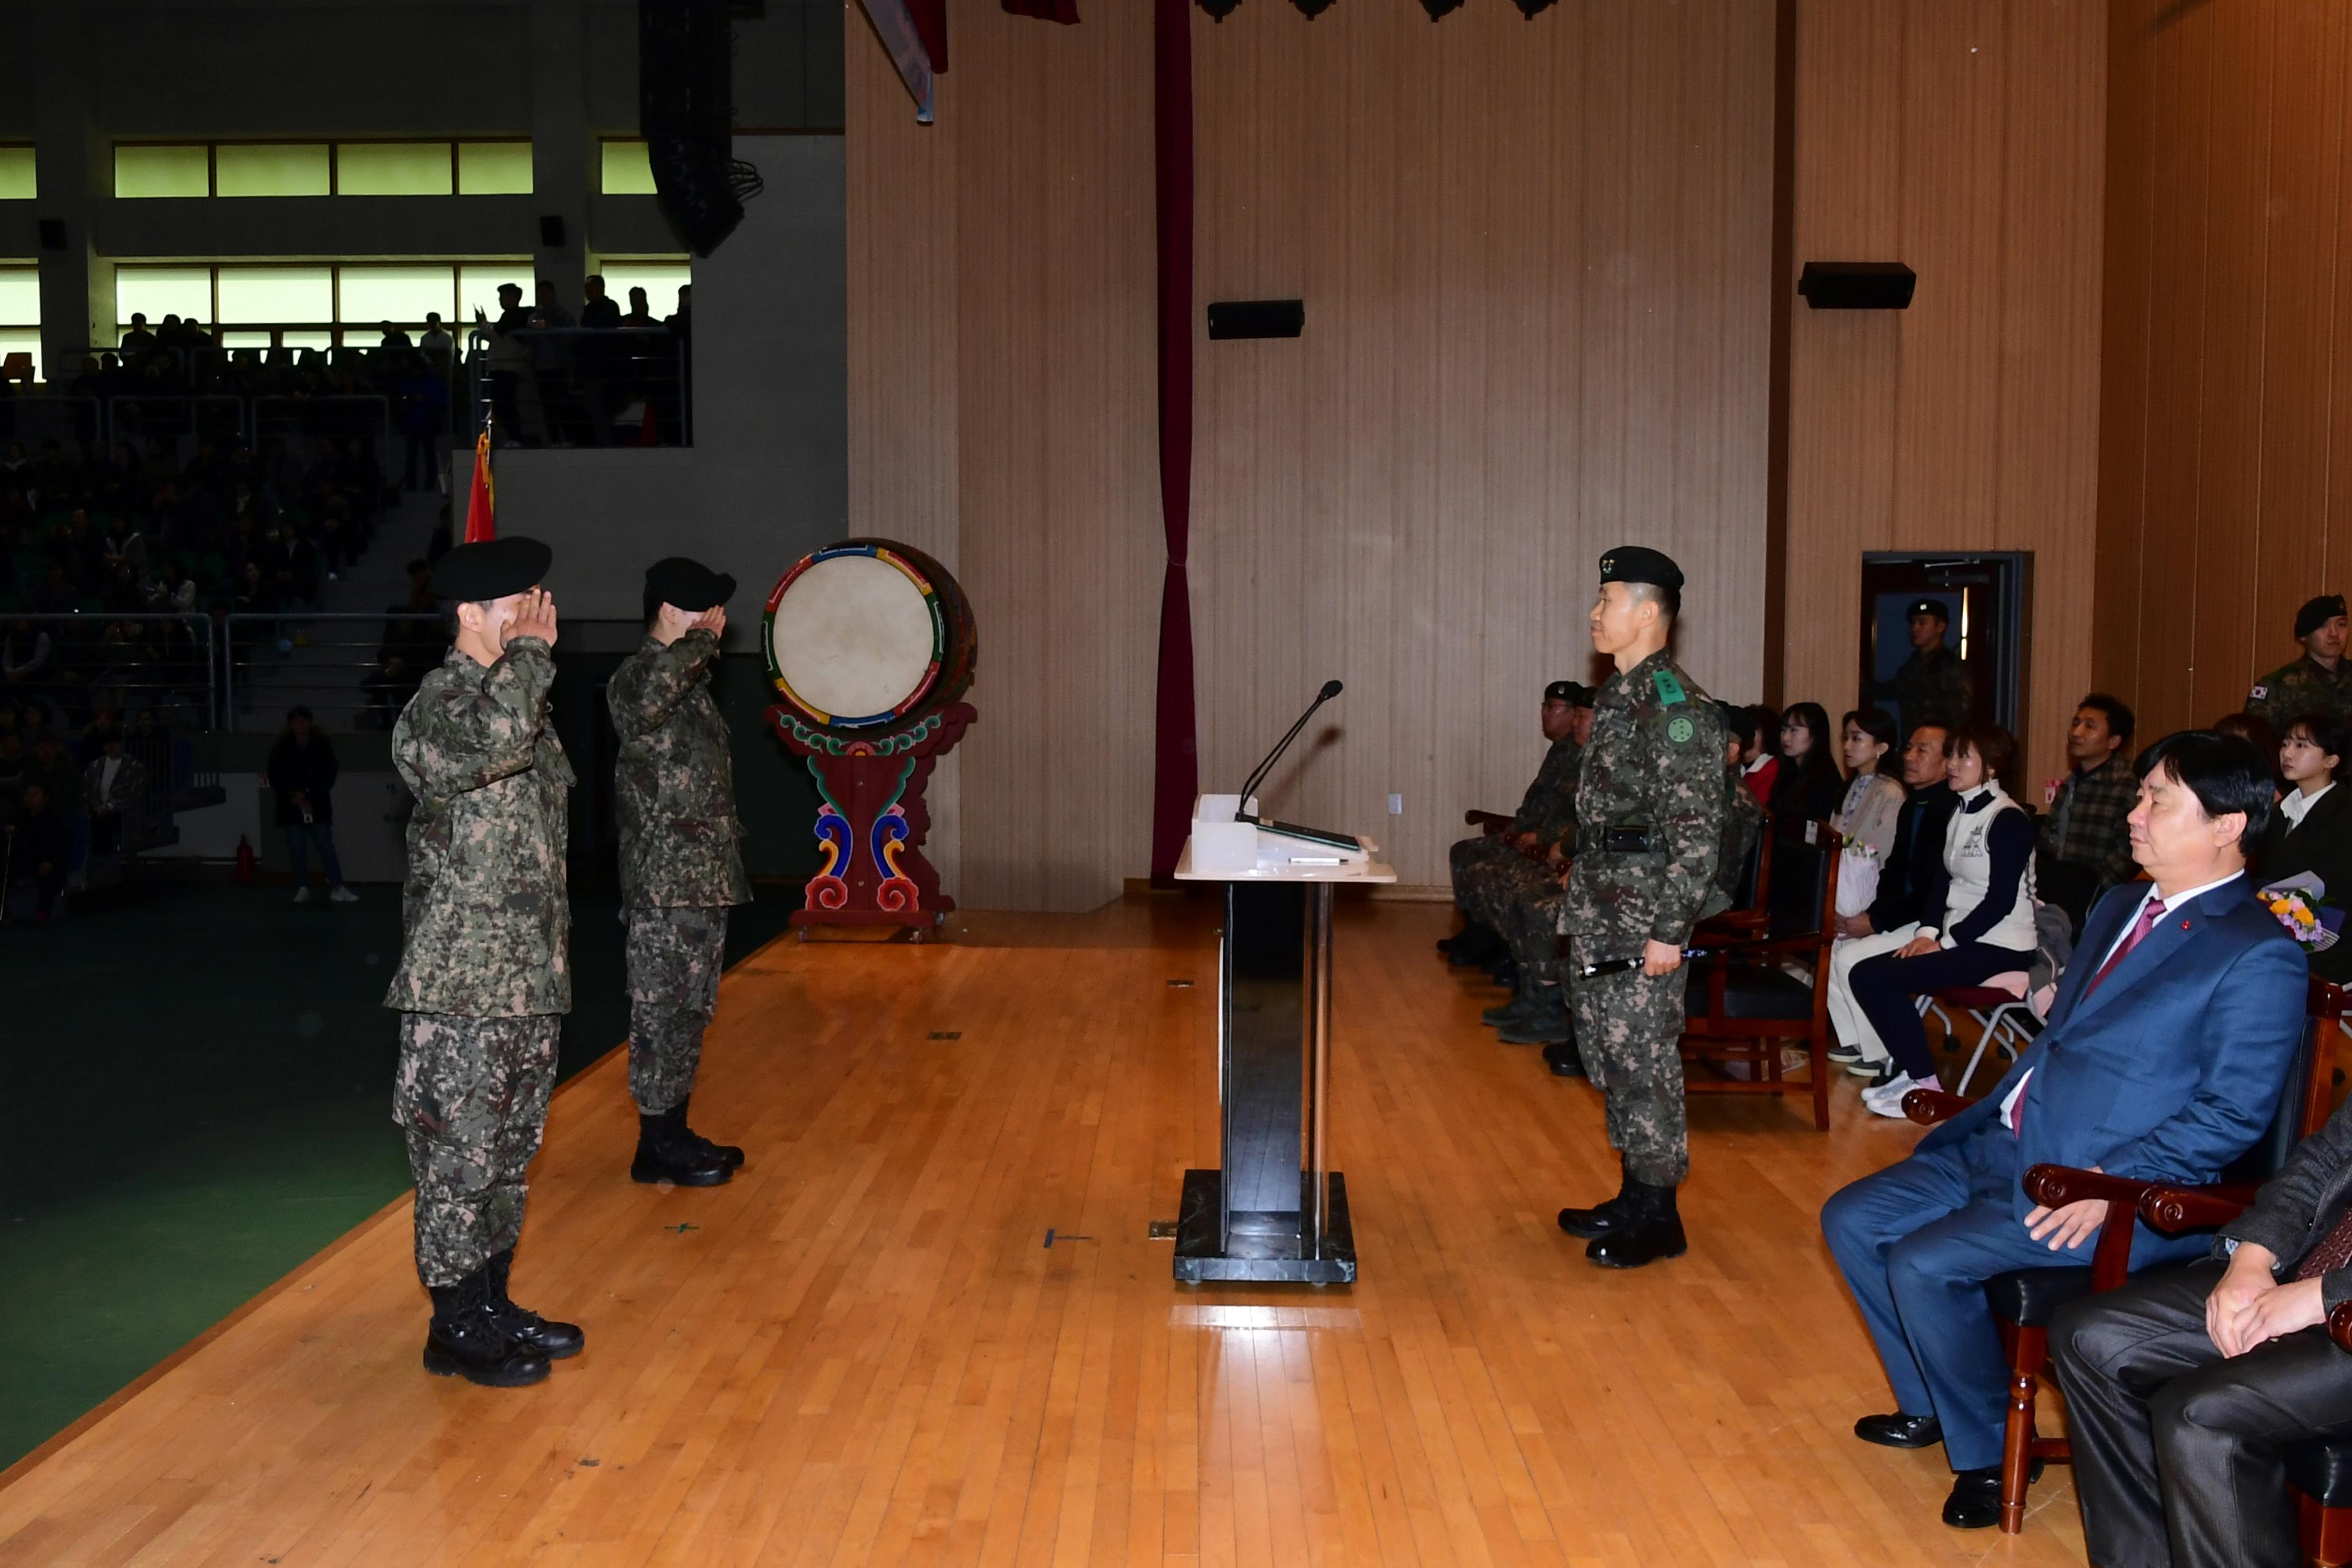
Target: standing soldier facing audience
x,y
2318,682
1648,810
680,869
1933,686
484,980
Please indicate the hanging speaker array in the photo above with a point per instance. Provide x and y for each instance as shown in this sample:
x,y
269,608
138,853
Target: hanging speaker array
x,y
685,112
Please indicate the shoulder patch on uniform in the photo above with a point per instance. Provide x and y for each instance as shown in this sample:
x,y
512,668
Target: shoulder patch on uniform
x,y
1670,686
1681,728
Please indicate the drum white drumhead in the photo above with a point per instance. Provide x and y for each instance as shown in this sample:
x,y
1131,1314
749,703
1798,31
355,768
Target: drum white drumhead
x,y
853,637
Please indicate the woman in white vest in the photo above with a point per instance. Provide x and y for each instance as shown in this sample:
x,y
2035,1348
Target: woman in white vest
x,y
1978,924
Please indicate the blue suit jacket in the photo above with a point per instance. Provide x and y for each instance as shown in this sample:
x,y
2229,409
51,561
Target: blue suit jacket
x,y
2174,1066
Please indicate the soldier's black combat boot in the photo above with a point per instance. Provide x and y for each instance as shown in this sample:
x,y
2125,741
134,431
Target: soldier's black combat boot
x,y
665,1154
1522,1004
1606,1218
1564,1059
1545,1024
1656,1231
726,1154
1475,944
465,1341
520,1324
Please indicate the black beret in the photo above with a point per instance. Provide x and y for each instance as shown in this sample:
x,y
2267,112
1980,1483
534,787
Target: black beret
x,y
2317,612
1935,607
689,584
1638,563
1576,694
477,573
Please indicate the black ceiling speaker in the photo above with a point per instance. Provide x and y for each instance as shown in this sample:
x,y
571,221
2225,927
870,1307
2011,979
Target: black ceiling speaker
x,y
1311,9
1528,8
1257,318
1857,285
1219,10
1437,8
686,113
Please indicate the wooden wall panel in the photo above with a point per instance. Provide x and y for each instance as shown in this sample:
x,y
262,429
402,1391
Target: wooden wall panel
x,y
2222,486
1963,137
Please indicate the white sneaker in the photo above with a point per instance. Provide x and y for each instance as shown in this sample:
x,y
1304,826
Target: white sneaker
x,y
302,895
342,896
1886,1100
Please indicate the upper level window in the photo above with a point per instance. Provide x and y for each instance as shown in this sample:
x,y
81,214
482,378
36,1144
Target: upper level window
x,y
317,169
16,184
627,171
20,312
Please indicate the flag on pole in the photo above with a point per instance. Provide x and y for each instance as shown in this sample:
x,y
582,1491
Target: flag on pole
x,y
481,505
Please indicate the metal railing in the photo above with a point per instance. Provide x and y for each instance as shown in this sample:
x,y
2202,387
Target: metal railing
x,y
79,665
338,418
581,386
172,419
352,671
32,418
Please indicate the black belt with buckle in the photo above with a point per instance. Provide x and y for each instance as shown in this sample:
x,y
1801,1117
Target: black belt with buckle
x,y
1626,838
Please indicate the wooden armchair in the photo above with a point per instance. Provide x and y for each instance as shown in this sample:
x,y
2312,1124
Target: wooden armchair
x,y
2025,1299
1751,915
1489,823
1742,1007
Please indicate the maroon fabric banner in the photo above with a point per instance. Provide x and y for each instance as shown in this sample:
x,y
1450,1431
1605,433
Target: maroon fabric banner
x,y
1045,10
931,19
1176,763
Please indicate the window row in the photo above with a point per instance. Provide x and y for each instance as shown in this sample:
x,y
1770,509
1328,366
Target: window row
x,y
315,305
16,182
144,169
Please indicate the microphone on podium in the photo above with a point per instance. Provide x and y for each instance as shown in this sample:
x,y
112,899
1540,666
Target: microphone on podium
x,y
1331,689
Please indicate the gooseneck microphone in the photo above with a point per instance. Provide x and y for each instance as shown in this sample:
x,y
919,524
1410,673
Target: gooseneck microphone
x,y
1331,689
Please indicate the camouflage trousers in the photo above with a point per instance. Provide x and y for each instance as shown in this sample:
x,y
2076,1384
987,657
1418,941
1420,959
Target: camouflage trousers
x,y
1629,1030
471,1093
1517,899
675,957
1474,861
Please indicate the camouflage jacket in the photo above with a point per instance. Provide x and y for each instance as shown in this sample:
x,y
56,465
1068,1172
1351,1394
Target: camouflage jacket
x,y
1743,824
2304,687
1933,688
1548,808
1653,766
675,779
485,905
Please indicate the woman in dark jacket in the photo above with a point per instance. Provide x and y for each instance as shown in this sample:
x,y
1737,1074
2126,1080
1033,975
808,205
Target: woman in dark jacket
x,y
303,776
1808,784
2311,829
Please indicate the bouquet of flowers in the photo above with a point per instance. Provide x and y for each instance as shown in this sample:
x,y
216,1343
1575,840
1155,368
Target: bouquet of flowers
x,y
2300,903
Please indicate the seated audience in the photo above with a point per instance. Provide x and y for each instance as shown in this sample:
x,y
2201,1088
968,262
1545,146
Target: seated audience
x,y
40,849
1979,921
1546,808
2169,1045
1865,817
2311,833
1743,818
2182,1384
1913,872
1759,763
1806,785
2086,849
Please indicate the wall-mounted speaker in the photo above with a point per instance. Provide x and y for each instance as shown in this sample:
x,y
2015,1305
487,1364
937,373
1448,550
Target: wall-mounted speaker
x,y
53,233
1257,318
1857,285
550,231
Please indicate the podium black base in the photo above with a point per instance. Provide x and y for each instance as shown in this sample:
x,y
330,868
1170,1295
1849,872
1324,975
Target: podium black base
x,y
1263,1247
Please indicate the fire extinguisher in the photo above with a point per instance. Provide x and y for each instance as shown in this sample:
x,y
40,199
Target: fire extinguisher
x,y
244,862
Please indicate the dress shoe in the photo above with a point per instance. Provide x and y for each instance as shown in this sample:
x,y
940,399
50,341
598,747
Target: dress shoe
x,y
520,1324
666,1153
1900,1431
464,1342
1655,1231
727,1154
1564,1059
1545,1024
1975,1502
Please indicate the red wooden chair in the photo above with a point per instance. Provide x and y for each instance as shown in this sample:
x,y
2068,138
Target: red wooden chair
x,y
1742,1007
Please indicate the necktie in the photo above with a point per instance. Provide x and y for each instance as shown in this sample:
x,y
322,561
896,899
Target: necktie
x,y
2150,912
2334,1251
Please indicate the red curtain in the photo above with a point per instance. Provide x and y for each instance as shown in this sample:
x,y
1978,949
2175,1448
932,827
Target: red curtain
x,y
1176,772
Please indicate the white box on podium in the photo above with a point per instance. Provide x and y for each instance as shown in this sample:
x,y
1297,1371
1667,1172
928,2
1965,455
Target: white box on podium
x,y
1221,847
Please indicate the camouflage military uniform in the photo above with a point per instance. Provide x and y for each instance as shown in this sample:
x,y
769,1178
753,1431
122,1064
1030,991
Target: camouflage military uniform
x,y
1743,824
484,979
2304,687
680,867
1931,687
1652,775
1491,878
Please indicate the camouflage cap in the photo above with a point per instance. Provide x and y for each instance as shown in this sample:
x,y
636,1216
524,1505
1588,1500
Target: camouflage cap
x,y
492,569
1639,563
2317,612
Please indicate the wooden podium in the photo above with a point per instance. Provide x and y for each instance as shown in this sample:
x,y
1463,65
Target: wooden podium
x,y
1275,1210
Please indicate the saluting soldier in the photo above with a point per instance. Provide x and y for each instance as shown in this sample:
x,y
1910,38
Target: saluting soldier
x,y
484,980
2318,682
1932,686
1546,811
681,869
1649,811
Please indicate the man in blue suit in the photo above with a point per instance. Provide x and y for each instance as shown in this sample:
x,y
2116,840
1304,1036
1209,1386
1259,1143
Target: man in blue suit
x,y
2167,1051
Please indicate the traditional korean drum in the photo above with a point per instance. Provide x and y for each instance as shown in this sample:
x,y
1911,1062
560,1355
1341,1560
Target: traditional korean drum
x,y
868,636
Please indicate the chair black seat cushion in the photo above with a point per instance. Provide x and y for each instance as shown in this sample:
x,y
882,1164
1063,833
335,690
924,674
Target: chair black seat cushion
x,y
2030,1298
2322,1470
1751,991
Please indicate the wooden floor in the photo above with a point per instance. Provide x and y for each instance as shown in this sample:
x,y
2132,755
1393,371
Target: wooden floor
x,y
865,1351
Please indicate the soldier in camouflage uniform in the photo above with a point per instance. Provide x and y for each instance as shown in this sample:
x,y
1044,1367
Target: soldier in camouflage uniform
x,y
1519,897
1545,816
1743,822
680,869
1649,812
2318,682
484,981
1933,686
